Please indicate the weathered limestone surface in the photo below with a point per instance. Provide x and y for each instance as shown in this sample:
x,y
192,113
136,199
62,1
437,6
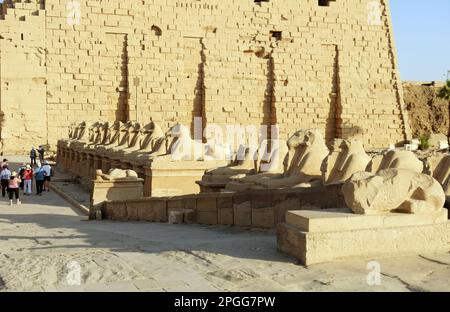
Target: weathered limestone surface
x,y
347,158
116,185
256,208
397,159
250,165
243,164
230,62
393,190
302,165
172,178
323,236
440,169
129,148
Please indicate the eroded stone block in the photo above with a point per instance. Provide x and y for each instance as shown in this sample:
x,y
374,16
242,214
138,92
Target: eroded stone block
x,y
323,236
243,214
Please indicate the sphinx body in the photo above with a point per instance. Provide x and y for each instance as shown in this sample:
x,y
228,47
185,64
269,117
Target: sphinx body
x,y
112,137
393,190
302,164
121,142
151,144
180,146
397,160
72,130
115,174
270,162
440,169
243,164
77,132
98,134
86,136
348,157
131,144
94,131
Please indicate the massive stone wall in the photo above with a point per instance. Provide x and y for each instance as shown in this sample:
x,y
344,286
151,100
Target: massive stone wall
x,y
293,63
23,99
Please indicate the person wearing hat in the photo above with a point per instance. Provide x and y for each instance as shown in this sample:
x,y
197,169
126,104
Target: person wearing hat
x,y
28,180
13,188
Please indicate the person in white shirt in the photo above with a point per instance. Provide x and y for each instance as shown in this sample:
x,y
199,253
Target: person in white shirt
x,y
5,175
48,176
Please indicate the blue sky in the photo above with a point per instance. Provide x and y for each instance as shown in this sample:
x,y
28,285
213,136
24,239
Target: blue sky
x,y
422,33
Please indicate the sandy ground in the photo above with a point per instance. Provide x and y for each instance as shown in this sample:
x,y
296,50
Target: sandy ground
x,y
41,238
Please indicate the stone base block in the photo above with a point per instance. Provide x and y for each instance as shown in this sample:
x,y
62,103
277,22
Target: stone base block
x,y
175,178
323,236
243,214
136,210
114,190
263,217
176,217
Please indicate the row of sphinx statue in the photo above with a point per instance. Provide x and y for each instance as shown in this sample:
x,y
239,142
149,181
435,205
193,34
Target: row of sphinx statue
x,y
305,160
133,143
117,139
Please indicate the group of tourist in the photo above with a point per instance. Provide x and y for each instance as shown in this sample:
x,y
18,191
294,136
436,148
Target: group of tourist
x,y
37,152
12,182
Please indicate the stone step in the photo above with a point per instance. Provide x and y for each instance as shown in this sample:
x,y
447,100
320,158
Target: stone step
x,y
333,220
324,236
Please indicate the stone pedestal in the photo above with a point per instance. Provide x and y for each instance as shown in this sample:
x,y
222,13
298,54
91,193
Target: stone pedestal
x,y
211,187
114,190
173,178
314,236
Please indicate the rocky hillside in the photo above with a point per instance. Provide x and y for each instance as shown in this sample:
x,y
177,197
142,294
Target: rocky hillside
x,y
427,113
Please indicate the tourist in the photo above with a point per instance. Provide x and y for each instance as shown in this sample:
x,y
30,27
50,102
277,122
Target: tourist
x,y
41,152
48,176
5,176
28,180
21,175
13,188
3,163
39,175
33,156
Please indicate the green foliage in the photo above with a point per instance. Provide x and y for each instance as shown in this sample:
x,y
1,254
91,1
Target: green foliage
x,y
444,93
424,142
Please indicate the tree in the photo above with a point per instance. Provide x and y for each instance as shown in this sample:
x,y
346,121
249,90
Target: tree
x,y
444,93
